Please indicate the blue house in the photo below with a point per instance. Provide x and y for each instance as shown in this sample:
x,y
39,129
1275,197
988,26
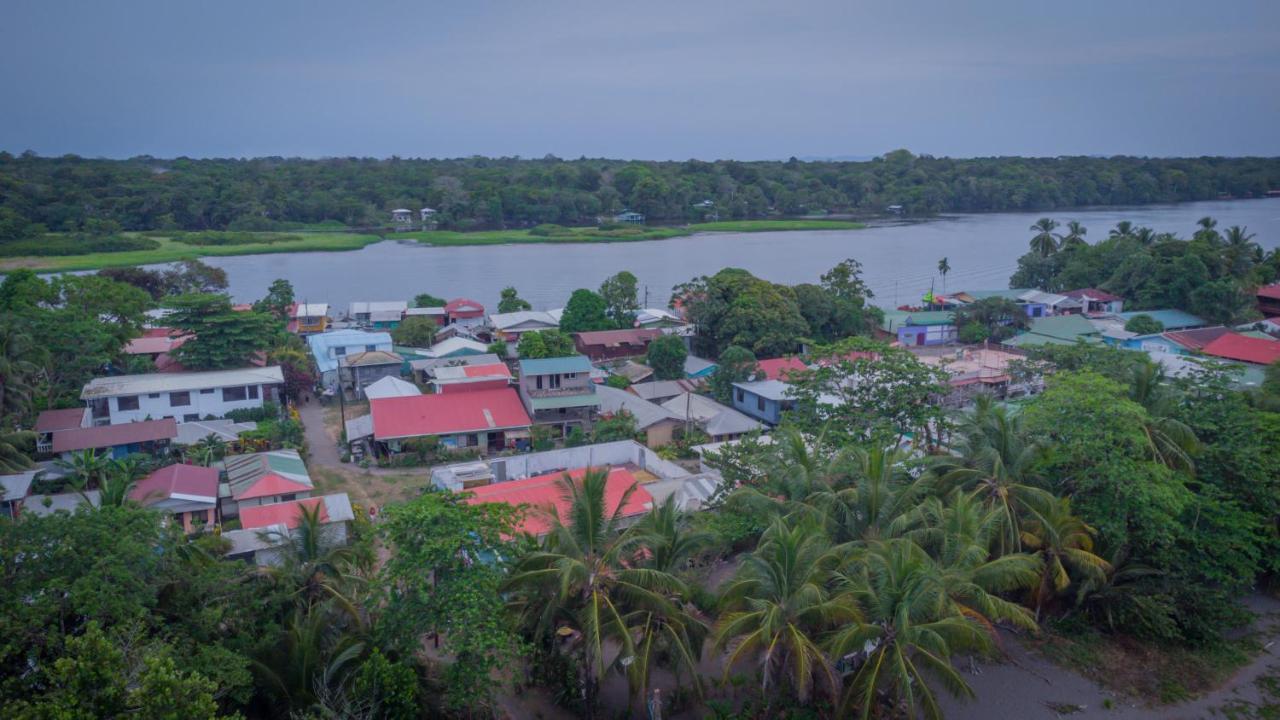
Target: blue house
x,y
763,400
927,327
327,347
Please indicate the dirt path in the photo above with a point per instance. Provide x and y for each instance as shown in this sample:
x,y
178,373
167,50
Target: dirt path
x,y
366,486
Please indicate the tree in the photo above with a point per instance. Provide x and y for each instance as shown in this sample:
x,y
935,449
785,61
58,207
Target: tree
x,y
944,267
545,344
620,425
1074,236
1064,543
585,311
736,364
435,586
18,372
1144,324
16,449
415,331
278,300
1045,241
619,293
149,281
1222,301
511,302
295,365
427,300
999,317
194,276
224,338
733,307
666,356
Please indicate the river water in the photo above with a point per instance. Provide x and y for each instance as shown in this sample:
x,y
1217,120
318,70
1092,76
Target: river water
x,y
899,260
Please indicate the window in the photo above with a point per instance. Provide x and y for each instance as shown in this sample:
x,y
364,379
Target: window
x,y
191,417
554,381
127,402
207,391
537,382
339,351
153,396
179,399
760,403
233,394
288,496
741,395
253,392
370,348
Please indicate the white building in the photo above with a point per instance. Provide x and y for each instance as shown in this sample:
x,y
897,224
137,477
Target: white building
x,y
184,397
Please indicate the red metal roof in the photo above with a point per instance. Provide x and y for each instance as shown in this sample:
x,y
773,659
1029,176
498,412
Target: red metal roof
x,y
52,420
1093,294
777,368
270,485
191,480
491,370
1270,292
155,341
616,338
288,514
447,414
1196,338
105,436
1234,346
463,308
545,494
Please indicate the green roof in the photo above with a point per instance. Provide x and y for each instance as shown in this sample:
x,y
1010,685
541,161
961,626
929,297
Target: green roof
x,y
556,366
1030,339
1063,327
564,401
931,317
287,464
984,294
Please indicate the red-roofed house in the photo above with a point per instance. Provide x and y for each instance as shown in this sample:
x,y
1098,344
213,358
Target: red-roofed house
x,y
1234,346
264,478
1093,300
484,419
779,368
1196,338
187,492
464,312
544,494
613,344
1269,299
149,436
264,528
469,378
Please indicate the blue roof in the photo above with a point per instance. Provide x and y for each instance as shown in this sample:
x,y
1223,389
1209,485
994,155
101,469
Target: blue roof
x,y
322,345
1171,319
555,366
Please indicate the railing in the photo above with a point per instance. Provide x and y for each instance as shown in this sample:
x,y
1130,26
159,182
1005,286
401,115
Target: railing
x,y
558,392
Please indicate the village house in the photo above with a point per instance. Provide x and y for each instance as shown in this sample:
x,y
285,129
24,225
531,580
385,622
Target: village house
x,y
390,387
14,489
402,219
545,493
656,422
158,345
659,318
456,347
378,315
1268,299
660,391
327,348
1057,330
780,368
764,400
186,493
226,431
559,392
62,432
632,371
484,420
464,312
360,369
1097,302
716,420
696,368
183,396
508,327
469,378
629,217
262,479
266,529
1241,348
600,345
308,318
918,328
438,314
425,368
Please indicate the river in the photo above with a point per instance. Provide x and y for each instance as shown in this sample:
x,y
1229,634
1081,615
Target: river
x,y
899,259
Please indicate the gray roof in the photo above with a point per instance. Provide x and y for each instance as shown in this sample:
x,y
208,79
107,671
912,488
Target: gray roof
x,y
177,382
16,486
390,386
361,427
646,413
190,433
523,320
715,418
694,364
659,390
767,389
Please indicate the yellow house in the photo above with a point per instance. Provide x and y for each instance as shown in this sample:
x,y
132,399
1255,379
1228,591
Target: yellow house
x,y
310,318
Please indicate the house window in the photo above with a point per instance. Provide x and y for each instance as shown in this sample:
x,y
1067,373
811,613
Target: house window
x,y
537,382
179,399
760,403
232,394
741,395
191,417
253,392
153,396
207,391
339,351
288,496
554,380
127,402
370,348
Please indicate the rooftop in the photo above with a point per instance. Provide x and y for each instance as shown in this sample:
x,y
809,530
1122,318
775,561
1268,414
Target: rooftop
x,y
192,432
333,508
379,306
464,307
323,344
184,483
778,368
390,387
304,310
646,413
473,373
523,320
370,357
1092,294
51,420
1271,292
619,338
456,345
544,494
661,389
555,366
280,469
447,414
105,436
767,389
177,382
1197,338
1170,319
694,365
1234,346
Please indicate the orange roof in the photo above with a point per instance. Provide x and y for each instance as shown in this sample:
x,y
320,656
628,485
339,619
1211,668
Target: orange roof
x,y
543,493
1234,346
288,514
492,370
778,368
1271,292
270,485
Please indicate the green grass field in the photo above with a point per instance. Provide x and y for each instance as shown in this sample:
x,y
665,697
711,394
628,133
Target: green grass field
x,y
171,250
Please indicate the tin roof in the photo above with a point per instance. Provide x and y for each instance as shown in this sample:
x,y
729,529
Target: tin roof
x,y
447,414
555,366
106,436
117,385
545,495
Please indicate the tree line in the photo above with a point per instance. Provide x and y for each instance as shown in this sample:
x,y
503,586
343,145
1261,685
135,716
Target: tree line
x,y
94,199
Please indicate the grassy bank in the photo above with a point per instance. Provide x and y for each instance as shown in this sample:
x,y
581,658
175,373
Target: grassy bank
x,y
171,250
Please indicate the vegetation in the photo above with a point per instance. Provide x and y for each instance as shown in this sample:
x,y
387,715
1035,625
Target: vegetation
x,y
415,331
545,344
585,311
666,356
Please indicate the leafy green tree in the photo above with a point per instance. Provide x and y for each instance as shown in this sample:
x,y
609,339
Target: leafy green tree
x,y
545,344
193,277
1221,301
585,311
736,364
18,372
511,302
666,356
733,307
224,338
1065,546
415,331
434,585
16,449
277,301
619,292
617,381
427,300
999,317
1144,325
616,426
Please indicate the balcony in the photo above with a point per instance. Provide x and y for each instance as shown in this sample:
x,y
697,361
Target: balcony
x,y
559,392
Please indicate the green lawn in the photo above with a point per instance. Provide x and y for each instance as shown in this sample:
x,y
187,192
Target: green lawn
x,y
171,250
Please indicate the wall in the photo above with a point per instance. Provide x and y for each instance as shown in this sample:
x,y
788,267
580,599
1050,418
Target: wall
x,y
155,406
621,452
749,403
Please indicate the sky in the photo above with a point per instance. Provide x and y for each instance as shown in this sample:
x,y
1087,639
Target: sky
x,y
645,80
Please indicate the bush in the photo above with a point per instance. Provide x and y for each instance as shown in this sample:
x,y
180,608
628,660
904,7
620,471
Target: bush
x,y
221,238
973,333
549,230
1144,325
268,411
75,245
617,381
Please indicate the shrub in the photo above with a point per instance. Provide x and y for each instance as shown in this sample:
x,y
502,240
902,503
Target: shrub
x,y
1144,325
268,411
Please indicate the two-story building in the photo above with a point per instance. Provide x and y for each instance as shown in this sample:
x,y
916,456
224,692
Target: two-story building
x,y
309,318
183,396
464,312
187,493
559,392
379,315
914,328
361,369
614,344
764,400
327,348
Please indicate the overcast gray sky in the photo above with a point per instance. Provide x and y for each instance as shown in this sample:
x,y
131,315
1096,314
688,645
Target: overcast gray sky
x,y
649,79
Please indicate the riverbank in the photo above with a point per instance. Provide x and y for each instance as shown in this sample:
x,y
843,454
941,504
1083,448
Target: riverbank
x,y
172,250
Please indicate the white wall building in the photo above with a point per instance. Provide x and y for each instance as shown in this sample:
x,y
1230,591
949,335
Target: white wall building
x,y
184,396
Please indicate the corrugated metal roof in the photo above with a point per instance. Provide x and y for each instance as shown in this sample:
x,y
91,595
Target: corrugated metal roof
x,y
768,389
177,382
390,387
105,436
555,366
544,494
1234,346
447,414
565,401
646,413
1171,319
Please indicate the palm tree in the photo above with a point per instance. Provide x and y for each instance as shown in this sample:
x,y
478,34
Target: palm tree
x,y
1064,543
1075,235
911,627
580,584
314,567
780,608
1123,229
1170,441
86,468
17,371
12,456
208,449
944,267
1045,241
312,655
1145,236
993,459
1208,230
882,492
668,540
1240,249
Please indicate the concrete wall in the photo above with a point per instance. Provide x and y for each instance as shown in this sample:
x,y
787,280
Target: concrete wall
x,y
202,404
621,452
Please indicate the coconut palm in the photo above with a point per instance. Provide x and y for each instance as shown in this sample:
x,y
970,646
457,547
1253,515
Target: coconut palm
x,y
207,450
1208,230
944,267
1145,236
580,585
992,458
1123,229
13,457
1240,249
1045,241
86,468
314,566
1170,441
17,371
667,538
1074,236
911,628
313,654
1064,544
882,492
780,608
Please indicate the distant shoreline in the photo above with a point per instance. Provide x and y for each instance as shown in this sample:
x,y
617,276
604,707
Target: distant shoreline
x,y
172,250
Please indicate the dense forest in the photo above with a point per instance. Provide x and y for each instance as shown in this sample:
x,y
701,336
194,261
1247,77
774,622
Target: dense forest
x,y
100,197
